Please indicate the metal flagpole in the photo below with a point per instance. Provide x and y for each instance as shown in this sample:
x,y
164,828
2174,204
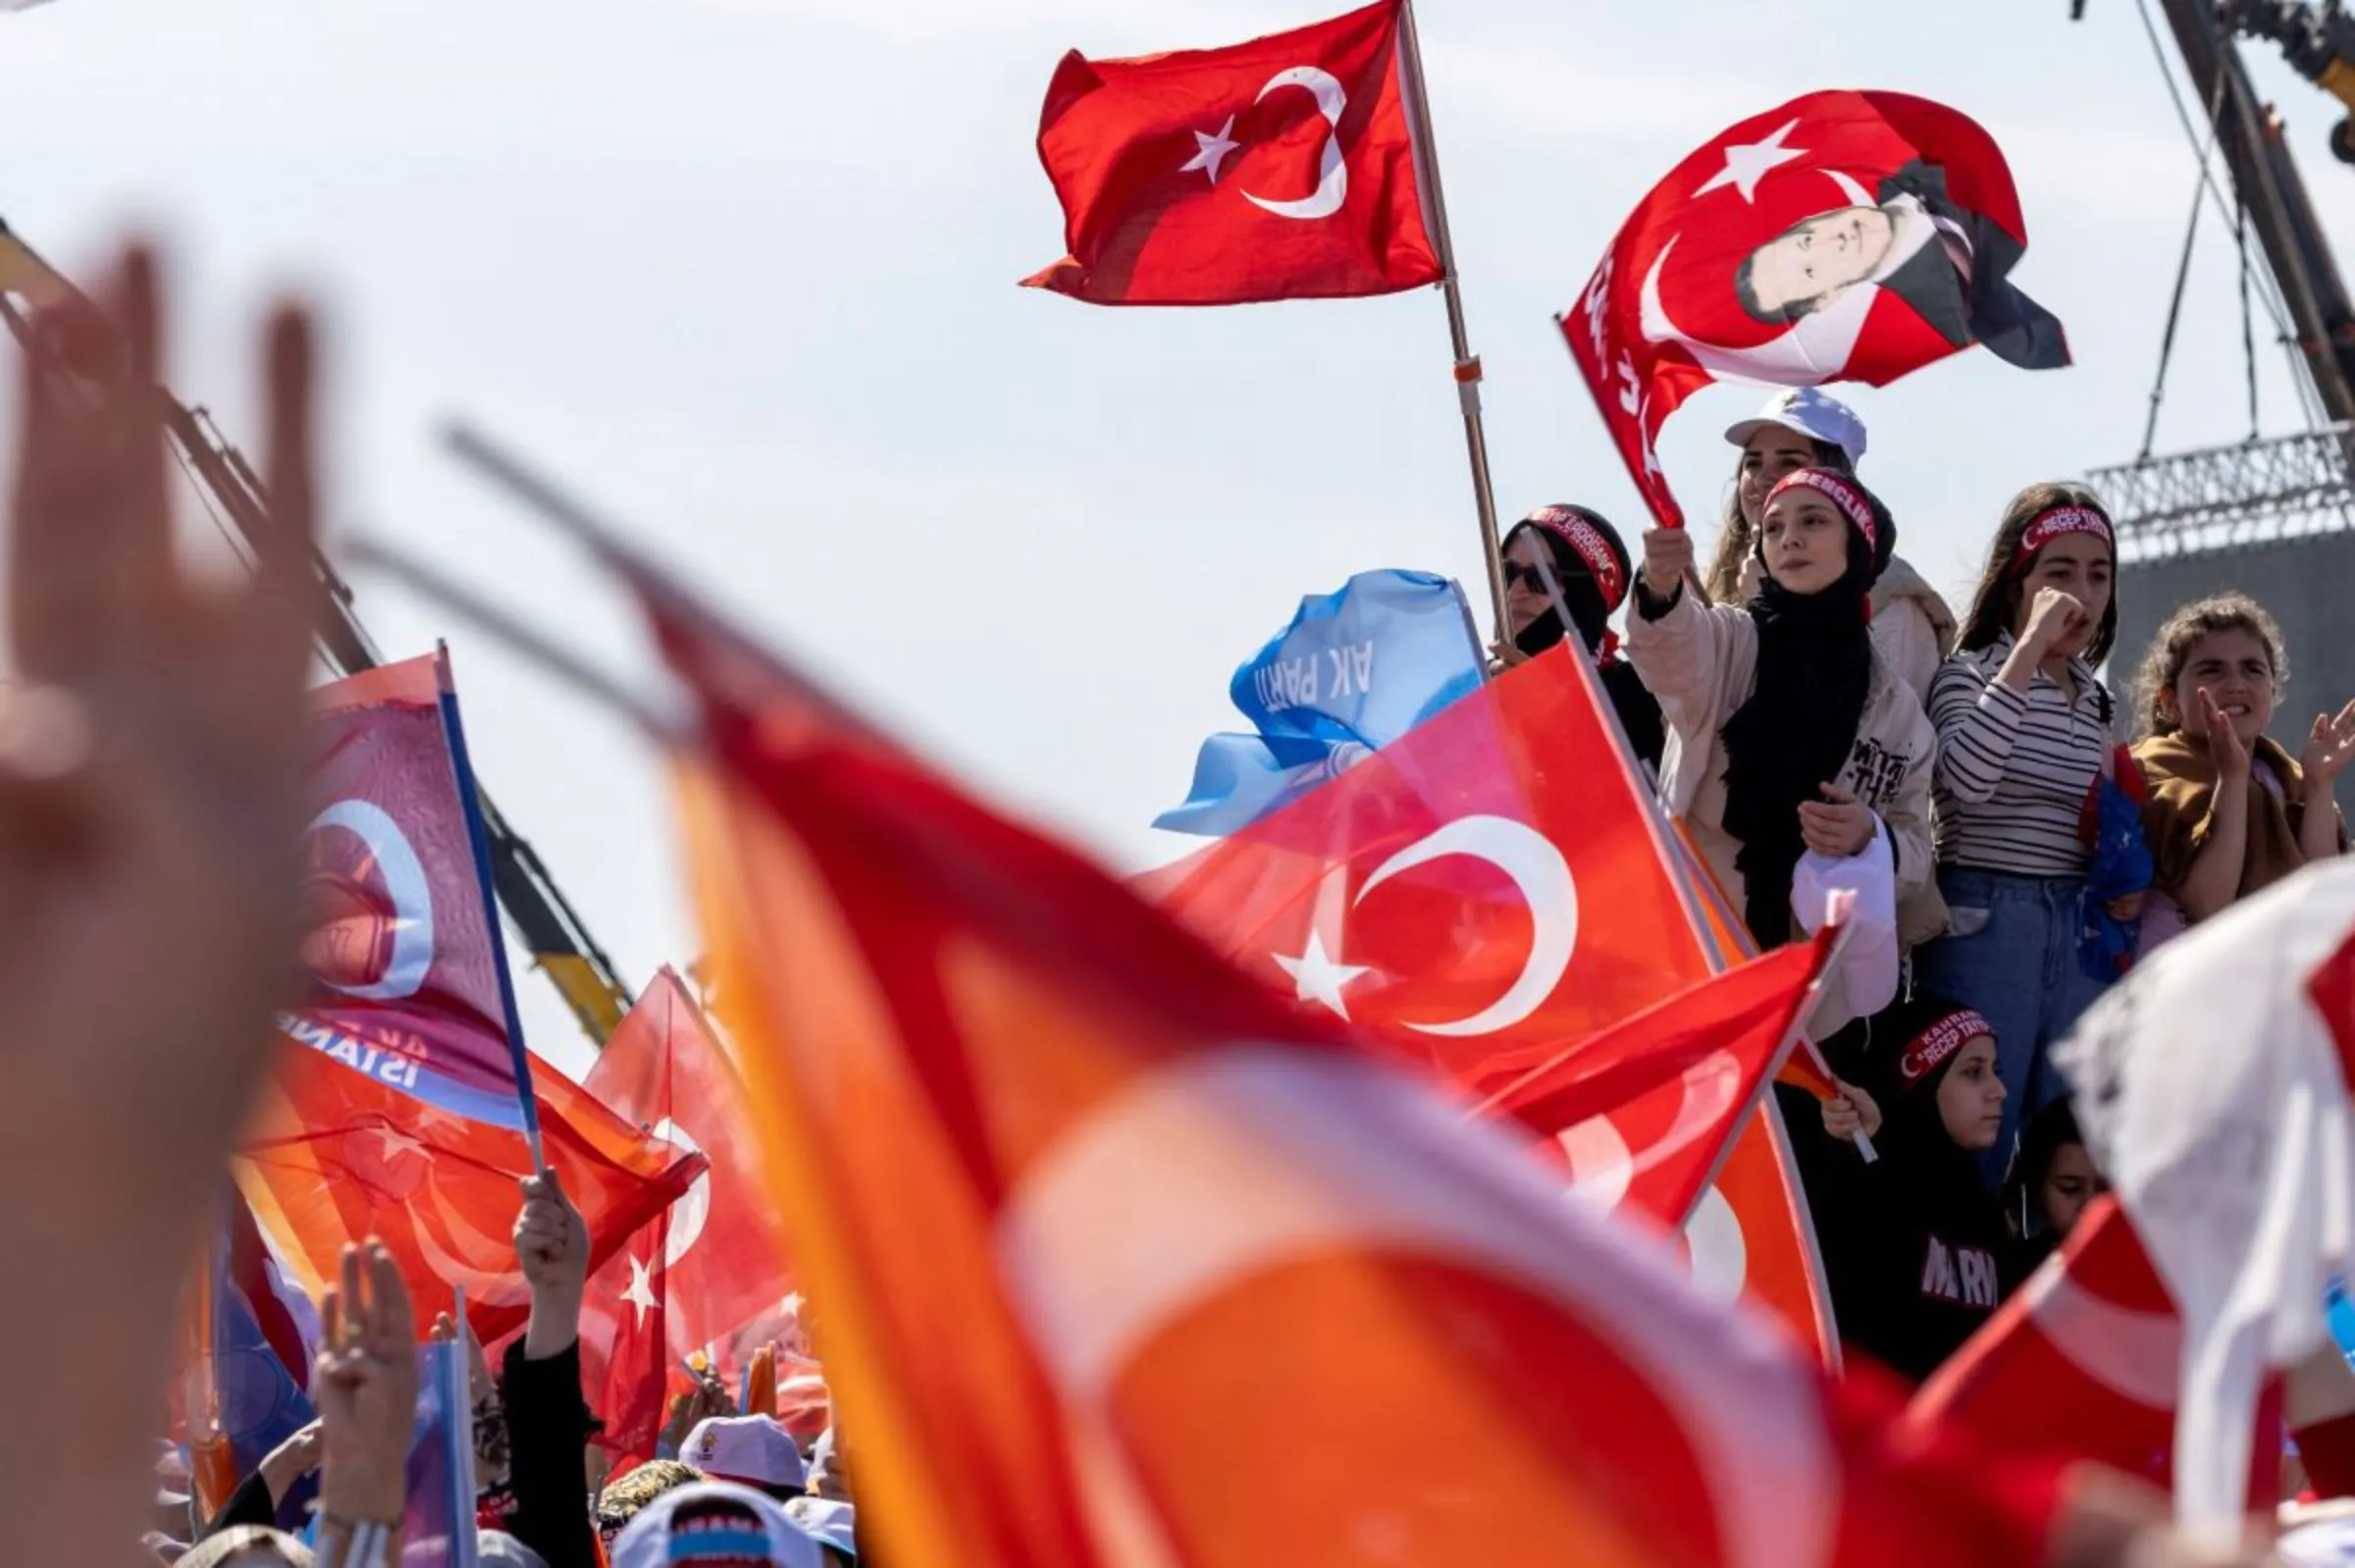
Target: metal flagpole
x,y
1467,364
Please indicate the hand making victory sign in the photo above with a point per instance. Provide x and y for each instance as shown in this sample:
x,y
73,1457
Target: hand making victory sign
x,y
151,770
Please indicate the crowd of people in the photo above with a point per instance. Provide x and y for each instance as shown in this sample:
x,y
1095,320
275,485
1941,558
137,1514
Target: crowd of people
x,y
727,1487
152,768
1811,696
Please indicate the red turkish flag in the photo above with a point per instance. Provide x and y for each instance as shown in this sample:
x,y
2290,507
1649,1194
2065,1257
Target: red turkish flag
x,y
1471,896
1096,1226
1420,930
636,1375
667,1071
1842,236
1278,169
2085,1357
1642,1115
335,1156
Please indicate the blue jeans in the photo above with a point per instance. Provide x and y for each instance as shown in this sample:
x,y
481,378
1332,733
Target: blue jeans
x,y
2013,956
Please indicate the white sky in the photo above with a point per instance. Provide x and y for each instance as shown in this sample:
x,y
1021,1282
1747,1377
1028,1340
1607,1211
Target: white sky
x,y
744,271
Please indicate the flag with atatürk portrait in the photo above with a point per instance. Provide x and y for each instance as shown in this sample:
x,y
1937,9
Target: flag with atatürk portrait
x,y
1842,236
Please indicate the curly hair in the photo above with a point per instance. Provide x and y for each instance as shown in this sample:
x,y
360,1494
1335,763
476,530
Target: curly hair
x,y
2162,665
623,1499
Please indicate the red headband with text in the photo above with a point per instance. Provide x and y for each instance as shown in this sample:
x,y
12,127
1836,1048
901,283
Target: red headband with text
x,y
1591,548
1938,1041
1844,496
2050,523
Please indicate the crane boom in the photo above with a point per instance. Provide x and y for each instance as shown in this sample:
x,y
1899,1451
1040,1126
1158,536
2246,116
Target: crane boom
x,y
2249,135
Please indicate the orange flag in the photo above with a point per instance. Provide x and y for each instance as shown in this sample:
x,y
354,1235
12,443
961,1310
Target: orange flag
x,y
334,1156
1094,1226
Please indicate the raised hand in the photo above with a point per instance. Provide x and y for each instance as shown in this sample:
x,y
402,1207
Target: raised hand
x,y
551,1243
2329,746
1667,558
365,1385
152,749
290,1461
2052,617
2223,741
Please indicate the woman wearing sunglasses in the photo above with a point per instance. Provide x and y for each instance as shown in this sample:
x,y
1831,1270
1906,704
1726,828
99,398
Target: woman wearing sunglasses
x,y
1589,567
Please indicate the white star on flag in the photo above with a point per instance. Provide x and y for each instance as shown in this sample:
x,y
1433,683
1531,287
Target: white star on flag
x,y
1746,166
641,1294
395,1141
1211,150
1319,977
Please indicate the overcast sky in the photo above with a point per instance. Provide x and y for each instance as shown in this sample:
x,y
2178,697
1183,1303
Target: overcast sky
x,y
744,270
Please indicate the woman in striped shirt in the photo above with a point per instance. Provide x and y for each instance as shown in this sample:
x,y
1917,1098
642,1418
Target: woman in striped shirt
x,y
2024,734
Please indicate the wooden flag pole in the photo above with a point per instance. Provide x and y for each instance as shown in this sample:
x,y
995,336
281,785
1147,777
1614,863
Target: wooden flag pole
x,y
1467,363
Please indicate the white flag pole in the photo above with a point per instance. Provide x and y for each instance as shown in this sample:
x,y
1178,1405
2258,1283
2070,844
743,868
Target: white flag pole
x,y
1467,364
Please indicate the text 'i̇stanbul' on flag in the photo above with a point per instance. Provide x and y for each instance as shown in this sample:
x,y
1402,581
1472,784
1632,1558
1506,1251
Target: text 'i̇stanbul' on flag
x,y
403,948
1278,169
1842,236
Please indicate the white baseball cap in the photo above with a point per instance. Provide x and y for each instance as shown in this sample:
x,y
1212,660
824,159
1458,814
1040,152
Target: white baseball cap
x,y
830,1524
755,1450
1811,412
715,1523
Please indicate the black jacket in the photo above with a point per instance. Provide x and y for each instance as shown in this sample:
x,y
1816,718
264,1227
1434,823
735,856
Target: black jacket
x,y
1915,1251
548,1437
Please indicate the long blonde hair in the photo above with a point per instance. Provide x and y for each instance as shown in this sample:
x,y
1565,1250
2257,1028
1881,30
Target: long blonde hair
x,y
2162,665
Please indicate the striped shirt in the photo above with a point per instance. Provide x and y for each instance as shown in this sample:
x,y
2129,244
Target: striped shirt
x,y
2014,770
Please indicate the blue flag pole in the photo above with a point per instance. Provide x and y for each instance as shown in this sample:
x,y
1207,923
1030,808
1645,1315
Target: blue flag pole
x,y
470,797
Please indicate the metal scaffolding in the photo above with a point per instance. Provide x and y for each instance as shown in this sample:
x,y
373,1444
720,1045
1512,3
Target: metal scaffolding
x,y
2225,498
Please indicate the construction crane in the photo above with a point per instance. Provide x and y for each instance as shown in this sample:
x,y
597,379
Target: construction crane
x,y
2257,491
2319,42
548,924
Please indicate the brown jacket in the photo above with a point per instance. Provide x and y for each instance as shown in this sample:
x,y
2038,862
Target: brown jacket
x,y
2182,773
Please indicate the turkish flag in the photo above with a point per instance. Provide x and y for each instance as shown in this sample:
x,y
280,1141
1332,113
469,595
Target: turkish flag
x,y
403,952
666,1071
2085,1357
335,1156
2085,1353
1842,236
1642,1115
1278,169
636,1375
1096,1224
1473,894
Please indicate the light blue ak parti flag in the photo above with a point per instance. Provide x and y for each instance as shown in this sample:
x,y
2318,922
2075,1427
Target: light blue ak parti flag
x,y
1354,670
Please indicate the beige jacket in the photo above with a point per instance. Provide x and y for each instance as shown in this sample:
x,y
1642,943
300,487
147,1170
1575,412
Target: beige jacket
x,y
1913,629
1702,661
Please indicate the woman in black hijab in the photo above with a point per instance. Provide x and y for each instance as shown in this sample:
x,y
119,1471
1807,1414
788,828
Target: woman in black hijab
x,y
1590,565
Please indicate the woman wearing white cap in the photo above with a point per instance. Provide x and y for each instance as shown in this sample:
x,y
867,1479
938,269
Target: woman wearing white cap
x,y
1801,427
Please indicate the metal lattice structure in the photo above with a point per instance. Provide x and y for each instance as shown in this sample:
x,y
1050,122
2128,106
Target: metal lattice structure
x,y
2232,497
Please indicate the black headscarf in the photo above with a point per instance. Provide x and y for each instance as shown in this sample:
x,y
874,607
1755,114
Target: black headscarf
x,y
1590,607
1795,733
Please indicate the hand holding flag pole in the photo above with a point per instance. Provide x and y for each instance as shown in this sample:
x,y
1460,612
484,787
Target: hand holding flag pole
x,y
1671,846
